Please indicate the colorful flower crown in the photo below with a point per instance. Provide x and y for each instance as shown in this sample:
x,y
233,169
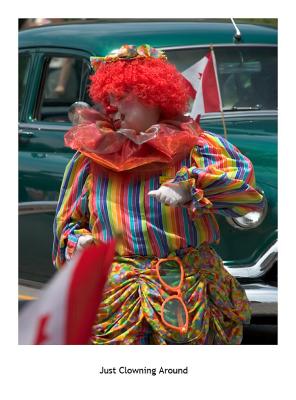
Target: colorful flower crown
x,y
128,52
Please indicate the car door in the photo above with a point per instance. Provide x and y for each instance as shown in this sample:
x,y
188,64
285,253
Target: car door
x,y
247,76
50,81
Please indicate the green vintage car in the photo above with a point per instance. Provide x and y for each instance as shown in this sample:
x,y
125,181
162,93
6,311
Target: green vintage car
x,y
53,74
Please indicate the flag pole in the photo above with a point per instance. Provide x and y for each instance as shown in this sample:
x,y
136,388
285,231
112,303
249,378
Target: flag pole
x,y
220,99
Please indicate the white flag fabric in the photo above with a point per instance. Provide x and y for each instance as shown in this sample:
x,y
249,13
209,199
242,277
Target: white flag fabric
x,y
66,309
203,78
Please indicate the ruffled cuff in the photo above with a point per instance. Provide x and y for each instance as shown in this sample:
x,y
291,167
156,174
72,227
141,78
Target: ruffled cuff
x,y
198,200
72,241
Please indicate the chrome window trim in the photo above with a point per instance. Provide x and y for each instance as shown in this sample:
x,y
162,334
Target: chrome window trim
x,y
200,46
239,114
42,126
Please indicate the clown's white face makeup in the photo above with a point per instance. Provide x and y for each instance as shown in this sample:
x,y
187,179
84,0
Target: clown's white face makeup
x,y
131,113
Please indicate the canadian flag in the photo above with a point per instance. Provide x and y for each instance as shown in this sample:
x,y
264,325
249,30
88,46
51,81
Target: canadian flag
x,y
203,78
66,310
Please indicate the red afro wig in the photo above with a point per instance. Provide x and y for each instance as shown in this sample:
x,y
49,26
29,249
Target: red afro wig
x,y
153,80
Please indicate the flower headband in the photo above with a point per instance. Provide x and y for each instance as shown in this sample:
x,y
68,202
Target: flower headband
x,y
128,52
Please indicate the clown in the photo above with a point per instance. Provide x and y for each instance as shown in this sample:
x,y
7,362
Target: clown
x,y
144,169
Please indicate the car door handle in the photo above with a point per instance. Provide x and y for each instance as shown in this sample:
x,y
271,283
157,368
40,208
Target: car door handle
x,y
25,134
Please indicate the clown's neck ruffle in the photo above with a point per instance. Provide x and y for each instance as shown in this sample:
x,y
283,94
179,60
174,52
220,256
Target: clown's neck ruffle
x,y
169,142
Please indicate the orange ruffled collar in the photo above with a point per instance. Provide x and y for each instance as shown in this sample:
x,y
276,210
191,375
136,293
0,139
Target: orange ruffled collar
x,y
96,139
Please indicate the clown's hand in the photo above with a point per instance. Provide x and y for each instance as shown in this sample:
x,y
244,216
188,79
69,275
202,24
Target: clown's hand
x,y
84,241
172,195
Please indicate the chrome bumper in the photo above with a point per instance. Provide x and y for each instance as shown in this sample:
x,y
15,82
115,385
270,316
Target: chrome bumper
x,y
263,299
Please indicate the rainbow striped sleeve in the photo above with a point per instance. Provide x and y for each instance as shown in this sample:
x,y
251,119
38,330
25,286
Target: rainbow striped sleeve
x,y
221,178
72,213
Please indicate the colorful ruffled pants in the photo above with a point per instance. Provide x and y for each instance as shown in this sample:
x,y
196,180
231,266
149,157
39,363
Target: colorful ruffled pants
x,y
130,312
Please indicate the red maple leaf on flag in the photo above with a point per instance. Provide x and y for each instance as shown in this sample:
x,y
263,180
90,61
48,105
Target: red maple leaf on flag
x,y
67,307
41,335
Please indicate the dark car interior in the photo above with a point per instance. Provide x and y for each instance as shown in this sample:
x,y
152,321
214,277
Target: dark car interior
x,y
63,82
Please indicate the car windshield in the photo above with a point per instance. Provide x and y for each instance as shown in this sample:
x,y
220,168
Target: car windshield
x,y
247,75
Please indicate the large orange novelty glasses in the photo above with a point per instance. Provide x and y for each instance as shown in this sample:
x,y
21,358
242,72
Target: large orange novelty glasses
x,y
174,313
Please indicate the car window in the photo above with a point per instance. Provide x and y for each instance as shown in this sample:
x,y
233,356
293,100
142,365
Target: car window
x,y
184,58
63,83
247,75
24,65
